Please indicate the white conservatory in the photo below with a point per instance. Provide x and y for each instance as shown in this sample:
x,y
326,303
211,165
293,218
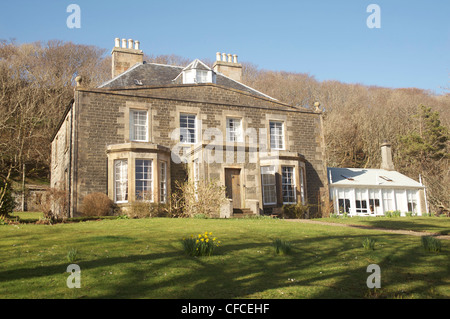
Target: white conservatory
x,y
373,192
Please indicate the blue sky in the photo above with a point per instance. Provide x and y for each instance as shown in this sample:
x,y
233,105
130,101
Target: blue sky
x,y
330,40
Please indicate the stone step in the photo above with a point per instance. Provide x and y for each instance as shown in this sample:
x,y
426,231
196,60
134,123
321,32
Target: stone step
x,y
242,212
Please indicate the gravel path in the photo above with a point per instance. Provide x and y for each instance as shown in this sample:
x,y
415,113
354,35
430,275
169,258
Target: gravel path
x,y
396,231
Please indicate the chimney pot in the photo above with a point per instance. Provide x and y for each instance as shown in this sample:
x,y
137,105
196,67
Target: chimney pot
x,y
117,42
218,56
136,45
124,43
224,57
235,60
229,57
130,43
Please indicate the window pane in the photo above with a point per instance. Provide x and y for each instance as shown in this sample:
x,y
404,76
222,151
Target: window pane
x,y
288,185
138,125
187,128
276,135
234,130
163,182
120,180
269,186
143,180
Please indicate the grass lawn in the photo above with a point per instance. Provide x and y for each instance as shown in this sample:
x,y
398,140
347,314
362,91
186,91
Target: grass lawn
x,y
437,225
144,259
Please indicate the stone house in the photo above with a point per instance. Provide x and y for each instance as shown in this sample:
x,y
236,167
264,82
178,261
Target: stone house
x,y
152,124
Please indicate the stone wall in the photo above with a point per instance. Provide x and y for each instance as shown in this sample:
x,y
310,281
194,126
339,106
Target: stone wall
x,y
101,115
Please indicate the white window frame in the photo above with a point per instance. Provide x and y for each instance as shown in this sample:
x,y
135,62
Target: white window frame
x,y
163,182
201,76
346,196
269,186
146,178
388,198
361,196
288,181
136,127
121,180
185,130
276,135
412,200
234,132
302,186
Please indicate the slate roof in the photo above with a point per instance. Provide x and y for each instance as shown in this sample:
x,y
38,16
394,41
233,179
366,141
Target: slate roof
x,y
154,74
369,177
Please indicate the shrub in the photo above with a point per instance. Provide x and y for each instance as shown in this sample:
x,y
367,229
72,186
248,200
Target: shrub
x,y
369,243
97,204
282,247
202,198
54,203
202,245
297,210
146,209
396,213
431,243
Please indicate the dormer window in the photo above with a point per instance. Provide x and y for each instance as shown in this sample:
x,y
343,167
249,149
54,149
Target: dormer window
x,y
197,72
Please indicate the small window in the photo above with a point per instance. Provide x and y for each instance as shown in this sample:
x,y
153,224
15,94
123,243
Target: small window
x,y
187,129
234,130
138,126
120,181
276,135
269,185
143,180
288,185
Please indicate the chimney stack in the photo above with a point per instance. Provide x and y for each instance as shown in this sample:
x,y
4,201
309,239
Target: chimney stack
x,y
228,65
386,157
125,57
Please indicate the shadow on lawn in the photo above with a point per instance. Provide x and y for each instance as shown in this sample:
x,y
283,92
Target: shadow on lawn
x,y
221,277
410,225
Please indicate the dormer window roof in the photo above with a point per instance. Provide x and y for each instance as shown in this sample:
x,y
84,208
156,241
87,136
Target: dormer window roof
x,y
197,72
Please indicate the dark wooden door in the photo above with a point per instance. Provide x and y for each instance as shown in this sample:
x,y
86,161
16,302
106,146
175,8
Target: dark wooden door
x,y
233,185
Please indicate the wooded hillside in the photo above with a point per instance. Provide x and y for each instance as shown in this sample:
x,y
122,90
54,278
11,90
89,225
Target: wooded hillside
x,y
37,81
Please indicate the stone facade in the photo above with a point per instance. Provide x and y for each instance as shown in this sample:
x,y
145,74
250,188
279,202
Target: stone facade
x,y
110,135
101,122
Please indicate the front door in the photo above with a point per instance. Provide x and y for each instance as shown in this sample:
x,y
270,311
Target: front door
x,y
233,185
